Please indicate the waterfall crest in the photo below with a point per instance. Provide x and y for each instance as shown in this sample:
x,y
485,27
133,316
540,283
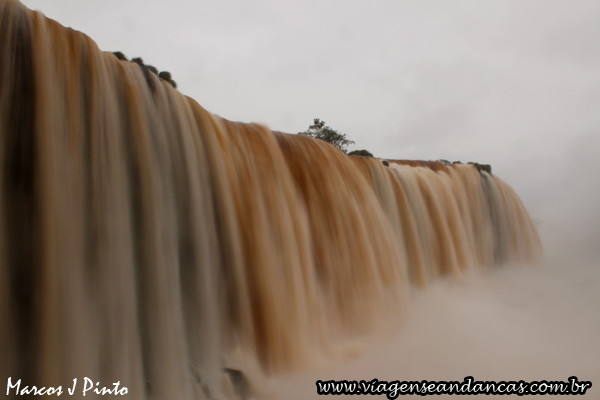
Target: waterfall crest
x,y
142,237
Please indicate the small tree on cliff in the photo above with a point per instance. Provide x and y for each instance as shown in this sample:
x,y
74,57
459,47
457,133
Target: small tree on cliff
x,y
319,130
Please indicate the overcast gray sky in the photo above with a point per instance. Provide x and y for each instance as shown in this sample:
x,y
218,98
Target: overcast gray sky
x,y
513,83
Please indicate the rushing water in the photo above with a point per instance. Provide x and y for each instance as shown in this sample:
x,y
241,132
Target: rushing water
x,y
147,241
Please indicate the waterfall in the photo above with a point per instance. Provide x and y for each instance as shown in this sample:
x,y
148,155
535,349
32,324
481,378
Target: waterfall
x,y
142,238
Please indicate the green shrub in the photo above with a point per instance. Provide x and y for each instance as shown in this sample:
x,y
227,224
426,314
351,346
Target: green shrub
x,y
362,153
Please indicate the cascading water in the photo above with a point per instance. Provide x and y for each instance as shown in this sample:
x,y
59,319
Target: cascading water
x,y
142,238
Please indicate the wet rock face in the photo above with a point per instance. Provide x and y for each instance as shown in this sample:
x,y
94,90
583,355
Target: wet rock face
x,y
239,382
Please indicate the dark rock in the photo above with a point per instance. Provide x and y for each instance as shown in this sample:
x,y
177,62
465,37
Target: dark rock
x,y
238,380
482,167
